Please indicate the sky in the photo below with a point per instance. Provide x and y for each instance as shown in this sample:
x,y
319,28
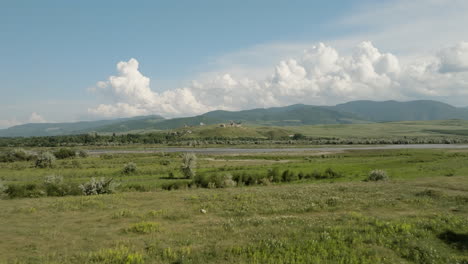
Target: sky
x,y
65,61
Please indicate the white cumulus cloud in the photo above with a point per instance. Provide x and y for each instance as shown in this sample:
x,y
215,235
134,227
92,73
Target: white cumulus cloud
x,y
36,118
321,75
454,59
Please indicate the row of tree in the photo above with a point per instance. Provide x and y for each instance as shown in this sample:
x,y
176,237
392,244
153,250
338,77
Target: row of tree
x,y
175,140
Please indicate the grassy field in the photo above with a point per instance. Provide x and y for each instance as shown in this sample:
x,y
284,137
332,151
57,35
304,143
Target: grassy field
x,y
366,130
369,130
420,215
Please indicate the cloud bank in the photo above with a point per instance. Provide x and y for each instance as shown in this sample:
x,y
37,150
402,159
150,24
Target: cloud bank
x,y
33,118
321,75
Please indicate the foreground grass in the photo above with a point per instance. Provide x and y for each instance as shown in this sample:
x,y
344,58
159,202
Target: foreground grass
x,y
422,220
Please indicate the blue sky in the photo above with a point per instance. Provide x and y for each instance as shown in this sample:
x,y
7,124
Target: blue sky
x,y
53,53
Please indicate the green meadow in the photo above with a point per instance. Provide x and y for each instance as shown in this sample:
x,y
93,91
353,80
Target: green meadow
x,y
320,210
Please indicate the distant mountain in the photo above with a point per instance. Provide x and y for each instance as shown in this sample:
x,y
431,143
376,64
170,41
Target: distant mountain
x,y
296,115
293,115
387,111
55,129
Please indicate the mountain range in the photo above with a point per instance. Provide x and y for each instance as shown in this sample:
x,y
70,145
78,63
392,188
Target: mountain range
x,y
293,115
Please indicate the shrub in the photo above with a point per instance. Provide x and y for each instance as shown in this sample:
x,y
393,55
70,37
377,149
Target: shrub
x,y
83,153
45,160
129,168
136,187
249,179
54,186
176,185
144,228
331,174
16,155
377,175
215,180
289,176
265,181
298,136
65,153
228,181
301,175
189,163
2,189
164,162
106,156
98,186
75,164
29,190
274,175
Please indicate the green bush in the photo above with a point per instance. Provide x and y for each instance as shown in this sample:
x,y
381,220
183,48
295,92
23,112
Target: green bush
x,y
83,153
29,190
106,156
249,178
165,162
45,160
129,168
16,155
298,136
65,153
289,176
228,181
98,186
2,189
75,164
274,175
54,186
204,180
331,174
377,175
136,187
176,185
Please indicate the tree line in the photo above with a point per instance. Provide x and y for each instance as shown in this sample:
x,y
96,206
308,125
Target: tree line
x,y
176,140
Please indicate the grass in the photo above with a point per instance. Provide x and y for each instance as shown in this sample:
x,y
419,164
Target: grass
x,y
348,222
419,215
152,174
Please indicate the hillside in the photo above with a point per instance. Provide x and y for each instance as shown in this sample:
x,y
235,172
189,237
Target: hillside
x,y
56,129
356,112
215,131
294,115
287,116
388,111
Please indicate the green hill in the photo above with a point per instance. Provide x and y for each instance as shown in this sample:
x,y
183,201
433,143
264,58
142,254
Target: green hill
x,y
287,116
56,129
356,112
388,111
294,115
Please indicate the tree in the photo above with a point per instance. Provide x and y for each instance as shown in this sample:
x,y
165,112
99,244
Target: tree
x,y
189,163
